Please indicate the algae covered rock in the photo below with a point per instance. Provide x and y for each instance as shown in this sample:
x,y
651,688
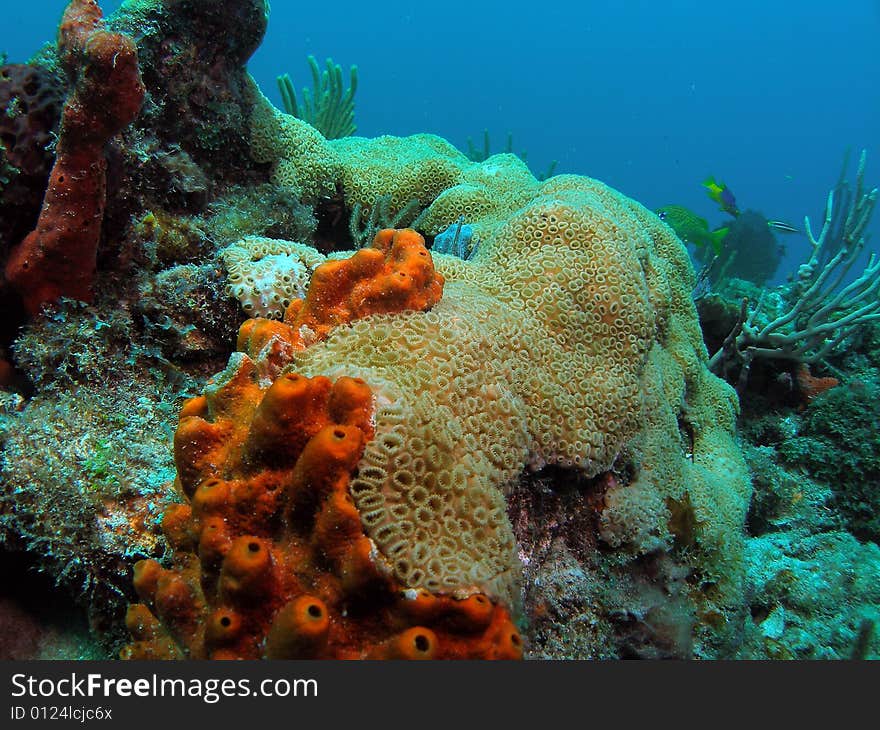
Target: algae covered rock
x,y
839,444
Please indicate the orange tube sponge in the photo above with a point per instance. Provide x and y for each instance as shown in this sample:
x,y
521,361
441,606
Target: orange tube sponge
x,y
415,643
396,274
291,413
149,636
270,555
176,524
196,442
223,627
269,342
300,629
58,258
246,575
146,578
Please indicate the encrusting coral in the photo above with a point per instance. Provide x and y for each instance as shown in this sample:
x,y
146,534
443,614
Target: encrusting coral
x,y
569,339
266,275
271,558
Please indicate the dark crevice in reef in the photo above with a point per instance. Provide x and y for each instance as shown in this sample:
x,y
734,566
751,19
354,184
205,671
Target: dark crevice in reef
x,y
557,504
333,232
37,618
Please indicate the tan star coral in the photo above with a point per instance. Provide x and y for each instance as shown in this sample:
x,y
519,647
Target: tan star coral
x,y
569,339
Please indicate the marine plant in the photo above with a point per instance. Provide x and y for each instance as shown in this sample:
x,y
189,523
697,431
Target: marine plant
x,y
84,465
380,216
481,154
822,310
328,107
844,197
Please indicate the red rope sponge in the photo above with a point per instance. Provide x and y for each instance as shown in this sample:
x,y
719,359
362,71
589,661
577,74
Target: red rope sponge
x,y
58,258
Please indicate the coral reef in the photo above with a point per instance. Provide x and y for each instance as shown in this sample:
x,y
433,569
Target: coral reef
x,y
811,557
185,310
95,387
193,67
582,600
84,462
270,555
821,309
474,395
272,559
809,595
492,434
837,442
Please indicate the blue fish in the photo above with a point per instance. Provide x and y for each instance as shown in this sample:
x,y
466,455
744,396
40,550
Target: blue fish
x,y
457,240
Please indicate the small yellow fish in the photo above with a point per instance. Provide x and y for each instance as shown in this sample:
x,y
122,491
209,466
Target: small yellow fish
x,y
721,194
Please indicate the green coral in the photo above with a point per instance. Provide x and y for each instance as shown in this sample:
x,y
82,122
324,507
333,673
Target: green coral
x,y
380,217
85,468
75,344
169,239
330,107
83,490
810,595
99,467
838,443
262,210
481,154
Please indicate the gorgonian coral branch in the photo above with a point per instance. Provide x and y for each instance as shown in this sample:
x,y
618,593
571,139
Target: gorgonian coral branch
x,y
823,311
330,107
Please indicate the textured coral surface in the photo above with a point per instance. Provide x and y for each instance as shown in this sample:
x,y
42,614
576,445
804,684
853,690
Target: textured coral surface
x,y
270,555
569,339
58,258
410,455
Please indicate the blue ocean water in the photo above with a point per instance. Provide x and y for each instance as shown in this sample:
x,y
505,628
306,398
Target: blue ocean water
x,y
648,97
